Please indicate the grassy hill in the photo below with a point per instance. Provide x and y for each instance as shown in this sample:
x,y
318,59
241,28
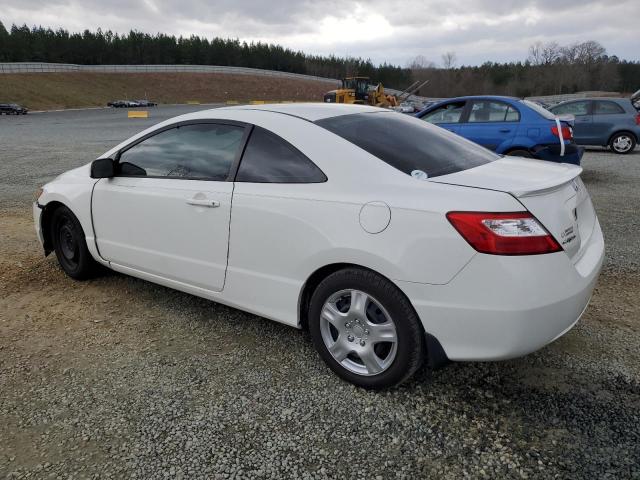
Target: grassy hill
x,y
44,91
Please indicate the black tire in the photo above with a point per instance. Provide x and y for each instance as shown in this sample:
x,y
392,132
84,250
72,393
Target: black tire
x,y
622,143
520,153
70,245
410,348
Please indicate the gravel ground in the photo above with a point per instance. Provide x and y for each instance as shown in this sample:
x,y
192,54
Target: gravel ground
x,y
120,378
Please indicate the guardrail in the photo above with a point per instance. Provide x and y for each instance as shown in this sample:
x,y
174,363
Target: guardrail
x,y
40,67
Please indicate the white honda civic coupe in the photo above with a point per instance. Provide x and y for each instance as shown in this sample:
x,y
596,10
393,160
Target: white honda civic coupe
x,y
394,242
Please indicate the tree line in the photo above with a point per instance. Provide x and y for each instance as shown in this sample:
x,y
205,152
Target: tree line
x,y
38,44
549,69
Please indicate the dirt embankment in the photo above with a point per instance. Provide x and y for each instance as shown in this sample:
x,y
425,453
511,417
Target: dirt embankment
x,y
44,91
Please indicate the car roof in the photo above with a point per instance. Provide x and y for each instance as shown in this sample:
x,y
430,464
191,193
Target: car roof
x,y
480,97
439,103
258,114
308,111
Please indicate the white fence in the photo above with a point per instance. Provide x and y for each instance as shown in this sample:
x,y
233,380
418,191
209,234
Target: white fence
x,y
37,67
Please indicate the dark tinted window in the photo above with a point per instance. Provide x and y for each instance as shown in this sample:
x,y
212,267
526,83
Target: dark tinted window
x,y
488,111
449,113
408,144
574,108
202,151
270,159
607,108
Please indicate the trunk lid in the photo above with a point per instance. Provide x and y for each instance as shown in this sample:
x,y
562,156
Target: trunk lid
x,y
552,192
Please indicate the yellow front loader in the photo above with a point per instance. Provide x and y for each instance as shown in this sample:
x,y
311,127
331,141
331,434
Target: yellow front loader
x,y
356,90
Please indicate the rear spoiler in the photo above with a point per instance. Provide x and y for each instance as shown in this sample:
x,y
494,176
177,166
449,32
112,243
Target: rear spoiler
x,y
567,118
572,172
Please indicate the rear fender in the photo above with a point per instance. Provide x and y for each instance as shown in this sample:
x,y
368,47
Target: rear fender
x,y
521,142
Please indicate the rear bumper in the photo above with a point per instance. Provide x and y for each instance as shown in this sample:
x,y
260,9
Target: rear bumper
x,y
501,307
572,153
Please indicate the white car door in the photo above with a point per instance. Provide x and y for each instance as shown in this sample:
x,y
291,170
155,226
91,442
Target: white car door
x,y
274,228
167,210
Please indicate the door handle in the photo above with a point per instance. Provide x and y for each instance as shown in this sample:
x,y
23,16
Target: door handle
x,y
505,130
203,202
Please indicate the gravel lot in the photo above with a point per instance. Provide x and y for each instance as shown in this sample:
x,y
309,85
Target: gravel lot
x,y
120,378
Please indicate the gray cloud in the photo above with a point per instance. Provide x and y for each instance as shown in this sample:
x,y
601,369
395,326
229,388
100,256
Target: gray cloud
x,y
394,31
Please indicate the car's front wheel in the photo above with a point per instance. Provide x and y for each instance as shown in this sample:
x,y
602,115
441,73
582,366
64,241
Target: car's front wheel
x,y
622,143
70,245
365,329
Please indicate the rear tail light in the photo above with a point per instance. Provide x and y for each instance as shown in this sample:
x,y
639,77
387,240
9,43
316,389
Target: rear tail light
x,y
567,132
514,233
638,119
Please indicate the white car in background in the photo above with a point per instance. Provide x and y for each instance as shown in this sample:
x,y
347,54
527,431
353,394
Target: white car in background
x,y
393,241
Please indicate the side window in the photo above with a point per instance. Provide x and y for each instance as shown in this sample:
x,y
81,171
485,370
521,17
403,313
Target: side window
x,y
487,111
449,113
607,108
512,115
270,159
201,151
575,108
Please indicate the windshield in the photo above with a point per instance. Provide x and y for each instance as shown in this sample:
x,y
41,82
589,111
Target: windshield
x,y
408,143
540,109
360,85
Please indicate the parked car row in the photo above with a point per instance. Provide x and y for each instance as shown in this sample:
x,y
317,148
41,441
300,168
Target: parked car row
x,y
12,109
131,103
511,126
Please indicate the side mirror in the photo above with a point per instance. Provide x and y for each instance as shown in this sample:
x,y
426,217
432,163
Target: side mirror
x,y
103,168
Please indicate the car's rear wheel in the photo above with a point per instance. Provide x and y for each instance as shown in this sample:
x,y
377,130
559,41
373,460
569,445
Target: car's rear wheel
x,y
520,153
622,143
365,329
70,245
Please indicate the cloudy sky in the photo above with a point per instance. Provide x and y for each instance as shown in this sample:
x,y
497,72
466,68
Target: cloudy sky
x,y
394,31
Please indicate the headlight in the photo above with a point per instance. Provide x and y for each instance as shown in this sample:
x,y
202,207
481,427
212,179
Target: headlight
x,y
37,194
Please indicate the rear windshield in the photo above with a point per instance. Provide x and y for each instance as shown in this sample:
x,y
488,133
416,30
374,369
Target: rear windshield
x,y
540,109
409,144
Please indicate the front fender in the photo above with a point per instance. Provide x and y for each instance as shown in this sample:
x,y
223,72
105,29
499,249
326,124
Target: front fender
x,y
73,190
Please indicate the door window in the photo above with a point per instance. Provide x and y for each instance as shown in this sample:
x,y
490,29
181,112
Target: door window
x,y
487,111
270,159
575,108
449,113
607,108
202,151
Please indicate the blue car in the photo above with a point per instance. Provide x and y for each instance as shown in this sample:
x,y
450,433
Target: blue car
x,y
508,126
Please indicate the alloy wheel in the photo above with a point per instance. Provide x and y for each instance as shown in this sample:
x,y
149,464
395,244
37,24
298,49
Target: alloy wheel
x,y
622,143
358,332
